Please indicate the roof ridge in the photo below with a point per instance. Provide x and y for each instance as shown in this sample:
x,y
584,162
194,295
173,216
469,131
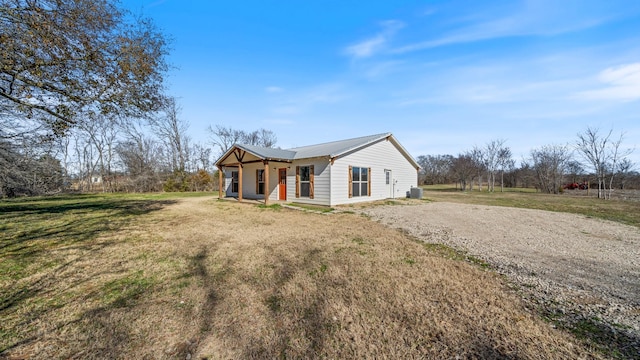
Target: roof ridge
x,y
343,140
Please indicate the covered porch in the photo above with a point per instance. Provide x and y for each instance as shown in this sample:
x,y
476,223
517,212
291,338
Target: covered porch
x,y
249,175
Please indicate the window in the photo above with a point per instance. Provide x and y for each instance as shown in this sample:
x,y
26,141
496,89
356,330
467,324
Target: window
x,y
260,181
359,184
234,181
304,181
387,174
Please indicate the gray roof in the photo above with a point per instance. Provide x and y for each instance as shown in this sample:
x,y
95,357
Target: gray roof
x,y
268,153
329,149
335,148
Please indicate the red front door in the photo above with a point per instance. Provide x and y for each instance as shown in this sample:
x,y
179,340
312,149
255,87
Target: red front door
x,y
282,184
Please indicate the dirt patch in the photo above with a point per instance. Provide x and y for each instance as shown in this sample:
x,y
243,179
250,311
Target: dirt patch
x,y
580,268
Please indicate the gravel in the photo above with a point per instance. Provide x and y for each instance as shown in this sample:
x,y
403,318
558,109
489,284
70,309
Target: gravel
x,y
569,265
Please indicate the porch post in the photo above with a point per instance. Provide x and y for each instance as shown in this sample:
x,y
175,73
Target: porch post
x,y
220,180
266,183
240,182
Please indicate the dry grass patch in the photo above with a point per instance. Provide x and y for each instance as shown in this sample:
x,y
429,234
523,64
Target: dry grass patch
x,y
216,279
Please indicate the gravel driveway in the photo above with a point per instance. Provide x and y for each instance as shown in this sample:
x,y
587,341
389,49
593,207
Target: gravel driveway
x,y
572,265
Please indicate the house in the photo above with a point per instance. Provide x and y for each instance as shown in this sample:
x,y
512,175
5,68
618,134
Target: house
x,y
341,172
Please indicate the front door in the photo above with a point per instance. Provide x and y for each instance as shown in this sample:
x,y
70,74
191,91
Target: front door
x,y
282,184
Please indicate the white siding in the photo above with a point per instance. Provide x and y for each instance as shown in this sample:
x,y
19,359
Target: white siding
x,y
378,156
248,181
274,167
331,181
321,181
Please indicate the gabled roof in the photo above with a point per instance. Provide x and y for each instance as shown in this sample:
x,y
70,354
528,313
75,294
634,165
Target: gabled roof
x,y
336,148
267,153
331,150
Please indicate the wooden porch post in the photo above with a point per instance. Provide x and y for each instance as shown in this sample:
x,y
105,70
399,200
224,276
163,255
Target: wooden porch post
x,y
266,183
239,182
220,180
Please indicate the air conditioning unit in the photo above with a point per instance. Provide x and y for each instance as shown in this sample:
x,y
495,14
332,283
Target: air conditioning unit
x,y
416,193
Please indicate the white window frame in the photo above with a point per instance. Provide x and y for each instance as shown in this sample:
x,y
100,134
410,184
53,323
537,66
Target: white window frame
x,y
260,175
308,181
359,184
235,179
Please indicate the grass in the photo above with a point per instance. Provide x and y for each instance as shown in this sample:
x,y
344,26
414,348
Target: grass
x,y
173,276
625,212
316,208
124,291
272,206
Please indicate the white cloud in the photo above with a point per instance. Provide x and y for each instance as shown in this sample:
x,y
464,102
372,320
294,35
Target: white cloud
x,y
302,100
273,89
367,47
377,43
542,18
621,83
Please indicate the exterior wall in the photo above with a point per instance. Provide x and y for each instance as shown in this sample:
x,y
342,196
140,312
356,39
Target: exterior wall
x,y
273,179
248,181
380,156
321,181
331,181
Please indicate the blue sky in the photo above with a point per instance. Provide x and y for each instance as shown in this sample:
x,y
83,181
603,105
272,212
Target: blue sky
x,y
442,76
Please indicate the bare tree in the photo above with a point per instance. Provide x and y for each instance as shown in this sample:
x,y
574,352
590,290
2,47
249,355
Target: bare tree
x,y
138,154
261,137
224,138
464,169
549,163
575,169
101,134
172,131
202,157
29,170
479,158
505,162
492,151
625,167
435,169
603,154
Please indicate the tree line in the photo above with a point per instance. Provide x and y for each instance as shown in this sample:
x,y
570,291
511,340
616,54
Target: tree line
x,y
83,106
596,160
148,154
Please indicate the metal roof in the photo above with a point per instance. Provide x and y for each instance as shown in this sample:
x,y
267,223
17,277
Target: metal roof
x,y
268,153
330,149
336,148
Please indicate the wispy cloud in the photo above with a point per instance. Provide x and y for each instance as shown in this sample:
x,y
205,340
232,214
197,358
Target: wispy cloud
x,y
375,44
621,83
542,18
273,89
304,100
